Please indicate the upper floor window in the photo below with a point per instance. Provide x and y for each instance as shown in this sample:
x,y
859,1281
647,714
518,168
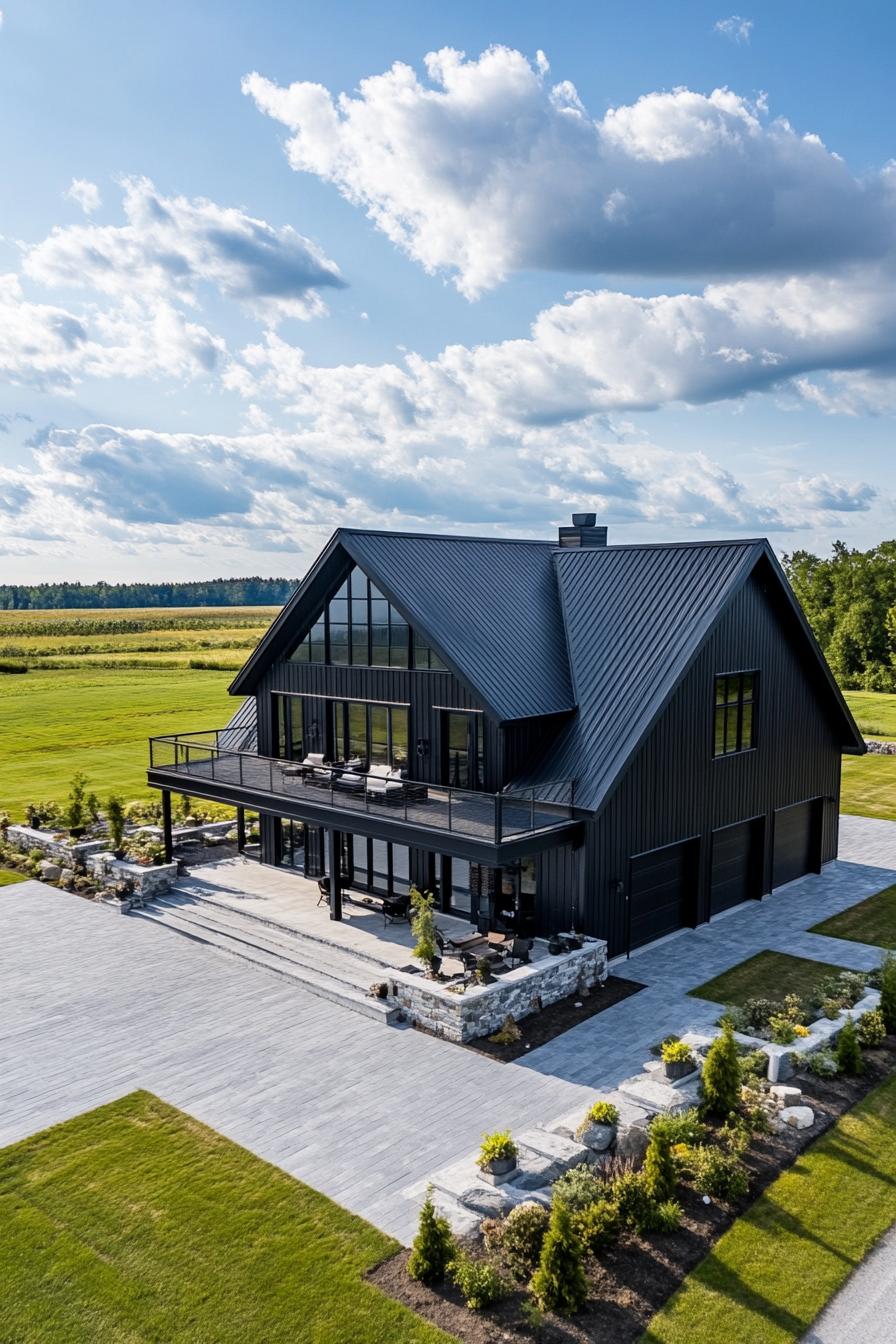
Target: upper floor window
x,y
360,627
735,712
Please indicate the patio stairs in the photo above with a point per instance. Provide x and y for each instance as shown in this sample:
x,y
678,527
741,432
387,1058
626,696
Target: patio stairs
x,y
316,965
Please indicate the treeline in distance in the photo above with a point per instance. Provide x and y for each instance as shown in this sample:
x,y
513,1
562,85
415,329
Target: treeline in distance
x,y
251,592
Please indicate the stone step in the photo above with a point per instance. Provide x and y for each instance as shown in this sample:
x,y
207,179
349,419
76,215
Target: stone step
x,y
561,1153
654,1094
320,958
304,977
462,1182
203,898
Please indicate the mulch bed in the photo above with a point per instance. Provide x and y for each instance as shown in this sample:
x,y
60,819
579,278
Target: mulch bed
x,y
558,1017
633,1279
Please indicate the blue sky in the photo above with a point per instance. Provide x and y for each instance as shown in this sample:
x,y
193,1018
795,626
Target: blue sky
x,y
474,295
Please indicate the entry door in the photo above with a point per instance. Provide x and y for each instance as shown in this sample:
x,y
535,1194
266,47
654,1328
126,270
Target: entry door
x,y
736,871
462,749
797,841
662,891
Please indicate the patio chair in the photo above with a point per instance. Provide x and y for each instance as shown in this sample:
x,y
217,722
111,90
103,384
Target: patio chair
x,y
384,785
396,909
323,886
516,951
316,771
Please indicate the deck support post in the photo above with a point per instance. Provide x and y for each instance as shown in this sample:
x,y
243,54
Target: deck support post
x,y
240,829
166,825
334,862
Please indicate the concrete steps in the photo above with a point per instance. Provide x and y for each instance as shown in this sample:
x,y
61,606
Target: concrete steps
x,y
317,967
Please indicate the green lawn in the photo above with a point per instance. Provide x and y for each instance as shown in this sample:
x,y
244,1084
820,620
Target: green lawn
x,y
53,723
872,921
869,786
136,1223
873,711
8,877
773,1271
767,975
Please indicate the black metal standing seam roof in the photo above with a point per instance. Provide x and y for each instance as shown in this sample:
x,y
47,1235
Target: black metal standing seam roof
x,y
490,607
241,732
634,618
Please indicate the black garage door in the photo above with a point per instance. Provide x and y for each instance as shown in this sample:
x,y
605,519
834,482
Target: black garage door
x,y
662,886
736,873
797,842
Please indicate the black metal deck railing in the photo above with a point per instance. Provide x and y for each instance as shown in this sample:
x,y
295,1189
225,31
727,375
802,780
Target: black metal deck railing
x,y
205,756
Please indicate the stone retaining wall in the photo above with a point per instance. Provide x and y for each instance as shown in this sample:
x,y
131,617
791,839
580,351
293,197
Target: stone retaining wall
x,y
66,852
147,882
880,748
481,1009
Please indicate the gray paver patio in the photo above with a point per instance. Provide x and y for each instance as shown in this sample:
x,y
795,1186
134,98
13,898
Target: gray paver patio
x,y
93,1005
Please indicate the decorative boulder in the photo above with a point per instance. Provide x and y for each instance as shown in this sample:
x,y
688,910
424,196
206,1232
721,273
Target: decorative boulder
x,y
632,1143
787,1096
798,1117
596,1137
49,871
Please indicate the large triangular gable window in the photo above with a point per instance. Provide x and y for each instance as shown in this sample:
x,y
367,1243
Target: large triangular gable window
x,y
359,627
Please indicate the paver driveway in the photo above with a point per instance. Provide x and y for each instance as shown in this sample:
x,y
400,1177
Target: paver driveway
x,y
93,1005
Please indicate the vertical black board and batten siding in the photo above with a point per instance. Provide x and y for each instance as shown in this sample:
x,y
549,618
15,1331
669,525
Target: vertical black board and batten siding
x,y
426,693
674,788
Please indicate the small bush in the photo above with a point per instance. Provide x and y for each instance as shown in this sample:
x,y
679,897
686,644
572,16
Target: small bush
x,y
602,1113
720,1083
433,1247
508,1033
660,1179
664,1217
676,1052
686,1127
559,1283
13,668
755,1015
579,1187
782,1029
522,1236
849,1055
423,926
597,1225
479,1282
823,1064
716,1173
888,992
496,1147
831,1008
754,1064
871,1028
636,1208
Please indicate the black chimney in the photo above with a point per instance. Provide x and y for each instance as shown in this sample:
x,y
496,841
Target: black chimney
x,y
583,532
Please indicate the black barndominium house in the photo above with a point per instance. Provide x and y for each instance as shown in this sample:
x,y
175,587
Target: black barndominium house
x,y
621,740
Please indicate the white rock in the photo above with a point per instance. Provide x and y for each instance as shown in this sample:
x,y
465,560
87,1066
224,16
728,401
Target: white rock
x,y
597,1137
788,1096
798,1117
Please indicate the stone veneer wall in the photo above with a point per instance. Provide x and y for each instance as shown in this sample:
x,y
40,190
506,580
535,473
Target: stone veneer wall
x,y
481,1009
66,851
150,881
880,748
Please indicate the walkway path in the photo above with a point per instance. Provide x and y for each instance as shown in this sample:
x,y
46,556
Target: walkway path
x,y
862,1312
93,1005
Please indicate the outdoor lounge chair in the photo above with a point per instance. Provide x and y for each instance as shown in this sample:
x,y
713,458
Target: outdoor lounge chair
x,y
323,886
385,785
316,771
396,909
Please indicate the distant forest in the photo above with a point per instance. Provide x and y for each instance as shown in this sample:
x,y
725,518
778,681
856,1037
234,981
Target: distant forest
x,y
252,592
850,600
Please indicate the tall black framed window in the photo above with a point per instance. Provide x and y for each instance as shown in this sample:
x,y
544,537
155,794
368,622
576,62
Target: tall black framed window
x,y
360,627
378,734
462,764
735,712
289,728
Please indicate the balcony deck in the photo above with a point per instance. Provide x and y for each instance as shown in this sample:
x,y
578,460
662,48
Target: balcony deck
x,y
199,763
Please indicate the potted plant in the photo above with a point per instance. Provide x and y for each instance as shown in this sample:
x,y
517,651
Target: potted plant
x,y
423,927
115,819
555,946
483,971
678,1060
33,816
598,1128
497,1156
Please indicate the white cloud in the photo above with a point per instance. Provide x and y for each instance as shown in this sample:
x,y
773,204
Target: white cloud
x,y
84,194
821,492
45,346
486,168
171,246
734,28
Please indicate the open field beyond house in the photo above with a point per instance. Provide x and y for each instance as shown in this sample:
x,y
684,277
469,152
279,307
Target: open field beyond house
x,y
99,683
869,782
134,1221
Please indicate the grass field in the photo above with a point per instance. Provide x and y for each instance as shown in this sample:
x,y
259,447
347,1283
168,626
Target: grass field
x,y
761,977
101,682
872,921
8,877
773,1271
869,782
135,1222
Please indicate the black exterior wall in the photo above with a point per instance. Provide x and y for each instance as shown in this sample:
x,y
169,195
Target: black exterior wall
x,y
673,789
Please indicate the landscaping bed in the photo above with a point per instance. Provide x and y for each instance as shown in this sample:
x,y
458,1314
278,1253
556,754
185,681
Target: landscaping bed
x,y
631,1280
556,1018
